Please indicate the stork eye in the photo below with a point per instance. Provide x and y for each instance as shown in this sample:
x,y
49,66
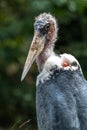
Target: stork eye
x,y
47,27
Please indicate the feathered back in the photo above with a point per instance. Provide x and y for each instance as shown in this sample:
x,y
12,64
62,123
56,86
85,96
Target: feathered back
x,y
62,101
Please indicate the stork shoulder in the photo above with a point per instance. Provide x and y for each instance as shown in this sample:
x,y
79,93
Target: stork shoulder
x,y
52,63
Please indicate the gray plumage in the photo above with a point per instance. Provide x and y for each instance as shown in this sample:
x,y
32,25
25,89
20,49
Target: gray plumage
x,y
61,93
61,102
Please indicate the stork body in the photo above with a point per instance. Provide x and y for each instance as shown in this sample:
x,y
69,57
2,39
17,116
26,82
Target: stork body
x,y
61,101
61,89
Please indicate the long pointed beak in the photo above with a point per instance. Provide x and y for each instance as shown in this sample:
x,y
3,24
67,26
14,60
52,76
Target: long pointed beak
x,y
35,49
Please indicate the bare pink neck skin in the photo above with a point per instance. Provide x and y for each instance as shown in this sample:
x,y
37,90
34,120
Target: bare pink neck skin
x,y
45,54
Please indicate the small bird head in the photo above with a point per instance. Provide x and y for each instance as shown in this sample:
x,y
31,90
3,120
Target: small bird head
x,y
45,32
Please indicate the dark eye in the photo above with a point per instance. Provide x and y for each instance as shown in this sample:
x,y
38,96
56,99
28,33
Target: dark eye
x,y
74,64
46,27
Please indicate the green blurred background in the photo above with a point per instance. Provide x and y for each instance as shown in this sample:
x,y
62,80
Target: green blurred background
x,y
17,99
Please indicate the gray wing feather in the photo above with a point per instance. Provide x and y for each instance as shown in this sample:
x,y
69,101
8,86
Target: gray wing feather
x,y
61,102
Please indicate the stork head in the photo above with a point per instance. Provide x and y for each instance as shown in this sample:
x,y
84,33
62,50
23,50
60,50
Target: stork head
x,y
45,32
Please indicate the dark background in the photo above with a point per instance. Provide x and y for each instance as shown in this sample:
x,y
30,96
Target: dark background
x,y
17,99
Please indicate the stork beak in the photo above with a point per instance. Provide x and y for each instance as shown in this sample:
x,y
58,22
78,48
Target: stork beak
x,y
37,46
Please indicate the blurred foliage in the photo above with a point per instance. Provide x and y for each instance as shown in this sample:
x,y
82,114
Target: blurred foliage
x,y
17,100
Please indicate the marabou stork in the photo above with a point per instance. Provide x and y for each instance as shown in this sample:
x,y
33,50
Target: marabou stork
x,y
61,89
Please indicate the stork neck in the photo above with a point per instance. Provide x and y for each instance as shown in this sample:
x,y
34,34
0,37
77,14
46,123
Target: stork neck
x,y
44,55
